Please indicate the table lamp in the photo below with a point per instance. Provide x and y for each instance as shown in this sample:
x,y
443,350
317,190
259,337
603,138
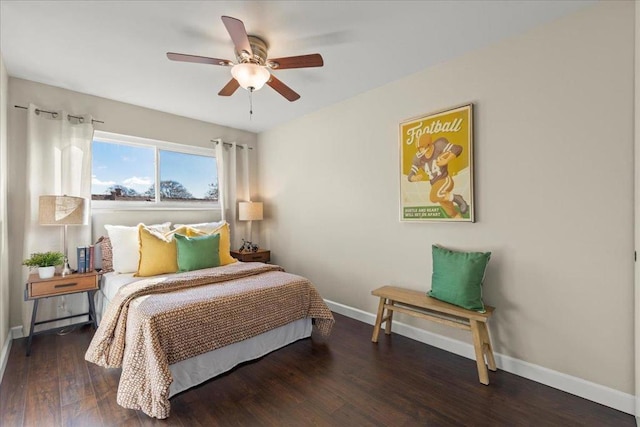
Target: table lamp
x,y
62,210
250,211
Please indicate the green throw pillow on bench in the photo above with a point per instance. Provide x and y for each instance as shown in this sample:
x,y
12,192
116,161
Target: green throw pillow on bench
x,y
457,277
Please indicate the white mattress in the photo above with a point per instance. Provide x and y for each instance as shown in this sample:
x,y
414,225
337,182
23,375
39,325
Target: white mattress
x,y
109,285
112,281
196,370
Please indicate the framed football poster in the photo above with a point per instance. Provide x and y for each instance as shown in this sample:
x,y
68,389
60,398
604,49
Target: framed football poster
x,y
436,166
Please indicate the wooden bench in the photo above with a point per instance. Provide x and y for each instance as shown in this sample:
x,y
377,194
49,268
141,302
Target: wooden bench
x,y
419,304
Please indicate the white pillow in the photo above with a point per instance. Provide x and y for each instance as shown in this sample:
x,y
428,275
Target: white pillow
x,y
125,243
205,227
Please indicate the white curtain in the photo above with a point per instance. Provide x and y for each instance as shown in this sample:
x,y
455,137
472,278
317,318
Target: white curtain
x,y
233,186
221,162
245,194
58,162
245,166
227,184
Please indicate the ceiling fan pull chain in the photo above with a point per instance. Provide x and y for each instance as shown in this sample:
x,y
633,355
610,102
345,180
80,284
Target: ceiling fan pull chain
x,y
250,103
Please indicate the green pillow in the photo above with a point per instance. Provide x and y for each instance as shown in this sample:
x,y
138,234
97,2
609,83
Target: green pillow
x,y
198,252
457,277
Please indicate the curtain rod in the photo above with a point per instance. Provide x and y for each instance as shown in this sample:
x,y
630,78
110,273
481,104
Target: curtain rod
x,y
230,145
55,114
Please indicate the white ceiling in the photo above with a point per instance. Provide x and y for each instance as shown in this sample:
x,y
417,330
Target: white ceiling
x,y
117,49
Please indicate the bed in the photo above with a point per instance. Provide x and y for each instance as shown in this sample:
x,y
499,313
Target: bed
x,y
169,332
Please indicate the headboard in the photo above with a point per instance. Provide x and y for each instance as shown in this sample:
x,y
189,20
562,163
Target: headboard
x,y
134,217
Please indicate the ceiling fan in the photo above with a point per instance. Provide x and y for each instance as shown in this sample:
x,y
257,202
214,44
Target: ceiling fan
x,y
252,68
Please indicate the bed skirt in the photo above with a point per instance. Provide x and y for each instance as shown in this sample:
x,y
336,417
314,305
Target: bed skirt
x,y
196,370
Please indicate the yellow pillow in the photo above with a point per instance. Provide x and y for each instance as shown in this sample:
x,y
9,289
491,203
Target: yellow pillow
x,y
184,230
225,240
158,254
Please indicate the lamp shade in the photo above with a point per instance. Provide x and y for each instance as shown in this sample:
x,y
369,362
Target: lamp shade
x,y
250,211
61,210
250,75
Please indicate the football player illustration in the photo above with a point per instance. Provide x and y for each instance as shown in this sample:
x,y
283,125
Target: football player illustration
x,y
432,159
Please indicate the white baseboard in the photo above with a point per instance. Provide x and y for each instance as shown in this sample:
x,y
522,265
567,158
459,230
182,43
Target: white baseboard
x,y
17,332
595,392
4,355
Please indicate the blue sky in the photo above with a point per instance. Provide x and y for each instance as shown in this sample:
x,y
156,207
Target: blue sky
x,y
133,167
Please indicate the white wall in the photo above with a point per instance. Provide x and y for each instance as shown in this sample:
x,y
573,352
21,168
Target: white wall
x,y
554,193
4,249
118,118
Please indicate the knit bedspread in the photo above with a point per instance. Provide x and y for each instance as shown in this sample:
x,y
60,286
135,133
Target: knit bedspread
x,y
158,321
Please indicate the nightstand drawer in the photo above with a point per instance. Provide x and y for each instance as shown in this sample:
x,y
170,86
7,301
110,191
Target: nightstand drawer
x,y
63,285
261,255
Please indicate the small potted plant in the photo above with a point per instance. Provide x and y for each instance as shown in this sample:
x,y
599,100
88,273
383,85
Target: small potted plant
x,y
45,262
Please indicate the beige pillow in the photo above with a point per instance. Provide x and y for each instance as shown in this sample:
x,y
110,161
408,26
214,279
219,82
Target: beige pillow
x,y
107,254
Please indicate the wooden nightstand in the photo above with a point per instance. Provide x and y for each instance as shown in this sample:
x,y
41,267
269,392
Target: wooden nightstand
x,y
262,255
37,288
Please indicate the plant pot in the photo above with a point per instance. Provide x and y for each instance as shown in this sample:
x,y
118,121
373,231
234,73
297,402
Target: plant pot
x,y
46,272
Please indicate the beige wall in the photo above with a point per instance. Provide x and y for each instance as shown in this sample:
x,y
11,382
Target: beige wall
x,y
554,192
4,250
118,118
637,210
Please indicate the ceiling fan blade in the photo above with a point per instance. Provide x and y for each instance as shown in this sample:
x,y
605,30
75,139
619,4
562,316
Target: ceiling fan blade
x,y
238,34
198,59
302,61
229,88
282,89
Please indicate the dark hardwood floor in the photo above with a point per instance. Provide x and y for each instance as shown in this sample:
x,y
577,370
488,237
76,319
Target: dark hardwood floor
x,y
344,381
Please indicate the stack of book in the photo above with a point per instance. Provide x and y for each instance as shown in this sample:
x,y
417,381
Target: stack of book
x,y
85,259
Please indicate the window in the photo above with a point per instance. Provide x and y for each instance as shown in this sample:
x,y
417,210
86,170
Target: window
x,y
125,171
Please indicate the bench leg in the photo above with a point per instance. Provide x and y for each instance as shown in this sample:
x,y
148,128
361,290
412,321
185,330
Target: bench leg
x,y
376,327
487,347
479,348
387,325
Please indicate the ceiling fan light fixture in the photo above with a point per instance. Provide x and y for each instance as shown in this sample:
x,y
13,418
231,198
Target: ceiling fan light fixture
x,y
253,66
250,75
